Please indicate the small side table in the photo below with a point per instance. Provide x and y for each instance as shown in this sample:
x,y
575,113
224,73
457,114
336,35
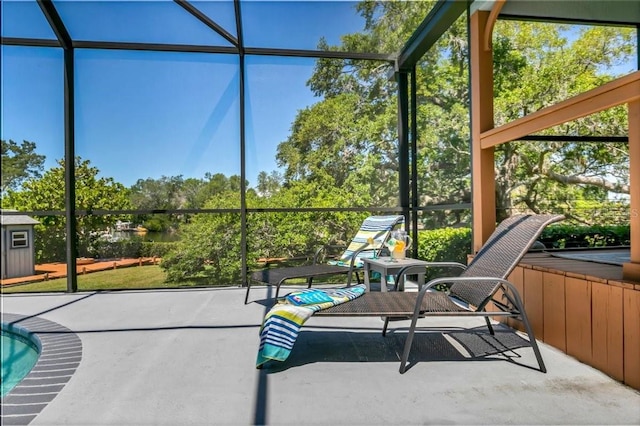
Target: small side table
x,y
385,267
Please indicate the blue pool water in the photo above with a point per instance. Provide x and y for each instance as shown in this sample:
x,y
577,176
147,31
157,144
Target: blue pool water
x,y
19,355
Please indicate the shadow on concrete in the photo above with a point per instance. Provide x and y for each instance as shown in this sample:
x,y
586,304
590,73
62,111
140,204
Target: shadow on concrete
x,y
321,345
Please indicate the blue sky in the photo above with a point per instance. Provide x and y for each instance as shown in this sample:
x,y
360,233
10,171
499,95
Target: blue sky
x,y
153,114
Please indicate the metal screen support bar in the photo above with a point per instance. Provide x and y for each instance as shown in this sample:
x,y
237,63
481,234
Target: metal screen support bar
x,y
403,142
52,16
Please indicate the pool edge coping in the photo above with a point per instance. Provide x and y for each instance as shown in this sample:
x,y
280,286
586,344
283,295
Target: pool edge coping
x,y
60,355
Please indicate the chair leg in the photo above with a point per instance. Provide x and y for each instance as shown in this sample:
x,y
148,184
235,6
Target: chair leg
x,y
409,341
489,326
386,324
246,297
532,339
519,306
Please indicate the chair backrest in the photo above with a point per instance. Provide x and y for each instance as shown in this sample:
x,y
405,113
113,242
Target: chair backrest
x,y
500,254
377,228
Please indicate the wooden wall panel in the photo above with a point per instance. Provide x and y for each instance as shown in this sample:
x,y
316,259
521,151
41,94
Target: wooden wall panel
x,y
517,279
534,301
578,319
601,319
631,315
554,310
606,329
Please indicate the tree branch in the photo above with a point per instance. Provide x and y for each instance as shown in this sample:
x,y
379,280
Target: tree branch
x,y
599,182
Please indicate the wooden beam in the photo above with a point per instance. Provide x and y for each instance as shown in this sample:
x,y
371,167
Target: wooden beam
x,y
631,270
617,92
493,17
482,160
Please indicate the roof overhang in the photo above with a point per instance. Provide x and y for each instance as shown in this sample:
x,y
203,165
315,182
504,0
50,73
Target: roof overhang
x,y
610,12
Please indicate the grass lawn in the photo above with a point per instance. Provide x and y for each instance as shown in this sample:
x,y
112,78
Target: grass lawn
x,y
137,277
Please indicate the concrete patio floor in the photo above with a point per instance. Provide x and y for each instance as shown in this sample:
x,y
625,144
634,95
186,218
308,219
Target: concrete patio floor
x,y
187,357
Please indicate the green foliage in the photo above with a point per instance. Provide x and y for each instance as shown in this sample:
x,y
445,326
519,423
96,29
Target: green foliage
x,y
173,193
454,244
343,152
209,246
48,194
210,243
537,65
126,248
157,223
19,163
571,236
444,244
349,139
156,249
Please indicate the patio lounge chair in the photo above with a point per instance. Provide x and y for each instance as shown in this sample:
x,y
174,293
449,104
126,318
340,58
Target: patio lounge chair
x,y
483,281
377,228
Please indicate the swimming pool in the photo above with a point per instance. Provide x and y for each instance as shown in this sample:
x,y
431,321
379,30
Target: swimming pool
x,y
20,351
60,353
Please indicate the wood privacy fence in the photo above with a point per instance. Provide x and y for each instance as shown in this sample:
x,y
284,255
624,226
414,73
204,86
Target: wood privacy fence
x,y
584,309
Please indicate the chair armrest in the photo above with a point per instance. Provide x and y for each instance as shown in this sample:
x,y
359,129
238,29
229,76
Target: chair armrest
x,y
355,255
417,269
442,280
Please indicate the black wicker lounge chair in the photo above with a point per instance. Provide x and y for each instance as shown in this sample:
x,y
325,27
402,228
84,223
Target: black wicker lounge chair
x,y
374,228
484,280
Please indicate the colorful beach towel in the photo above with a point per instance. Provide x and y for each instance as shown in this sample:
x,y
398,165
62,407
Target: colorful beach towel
x,y
370,238
282,323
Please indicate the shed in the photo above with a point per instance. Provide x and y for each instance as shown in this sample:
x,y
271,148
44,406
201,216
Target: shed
x,y
18,254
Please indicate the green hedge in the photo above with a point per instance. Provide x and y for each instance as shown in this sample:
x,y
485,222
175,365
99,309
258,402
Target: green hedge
x,y
453,244
129,248
156,249
103,249
444,244
571,236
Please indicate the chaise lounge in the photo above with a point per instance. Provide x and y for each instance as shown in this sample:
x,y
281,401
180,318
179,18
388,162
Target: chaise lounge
x,y
481,284
368,242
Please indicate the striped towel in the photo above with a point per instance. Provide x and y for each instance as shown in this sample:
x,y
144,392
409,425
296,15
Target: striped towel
x,y
282,323
378,229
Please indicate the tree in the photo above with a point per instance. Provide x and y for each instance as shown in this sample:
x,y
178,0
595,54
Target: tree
x,y
349,139
47,194
268,184
210,244
165,193
175,192
539,66
19,163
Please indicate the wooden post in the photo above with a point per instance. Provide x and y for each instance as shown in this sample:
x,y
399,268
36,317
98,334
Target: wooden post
x,y
631,270
483,176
